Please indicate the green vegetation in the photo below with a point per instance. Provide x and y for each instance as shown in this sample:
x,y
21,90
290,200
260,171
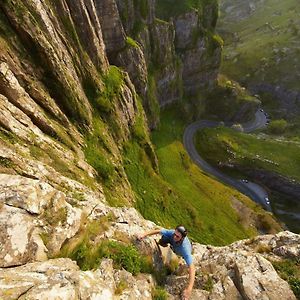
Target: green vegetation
x,y
289,270
6,162
97,151
181,193
113,80
131,42
88,253
223,145
208,285
152,108
124,256
159,294
262,46
227,99
277,126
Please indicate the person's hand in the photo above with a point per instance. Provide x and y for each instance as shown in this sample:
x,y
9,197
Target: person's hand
x,y
186,294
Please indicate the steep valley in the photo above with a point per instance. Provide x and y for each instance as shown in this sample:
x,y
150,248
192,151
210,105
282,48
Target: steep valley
x,y
94,99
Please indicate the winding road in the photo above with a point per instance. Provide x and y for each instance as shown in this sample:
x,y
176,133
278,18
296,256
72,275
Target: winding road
x,y
250,189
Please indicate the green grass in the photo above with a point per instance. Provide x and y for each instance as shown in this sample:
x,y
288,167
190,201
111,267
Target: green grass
x,y
97,151
249,151
181,193
289,270
88,254
260,53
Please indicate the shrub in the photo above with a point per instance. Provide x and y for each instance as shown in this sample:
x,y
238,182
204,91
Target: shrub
x,y
88,256
124,256
295,285
159,294
277,126
208,285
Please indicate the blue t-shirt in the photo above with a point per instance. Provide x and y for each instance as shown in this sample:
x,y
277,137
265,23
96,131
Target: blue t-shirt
x,y
183,249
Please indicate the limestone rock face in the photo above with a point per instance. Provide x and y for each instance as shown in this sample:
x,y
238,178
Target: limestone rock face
x,y
200,54
62,279
113,31
168,80
32,209
28,204
238,271
51,71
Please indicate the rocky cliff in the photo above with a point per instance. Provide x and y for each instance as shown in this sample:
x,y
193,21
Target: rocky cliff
x,y
67,113
33,214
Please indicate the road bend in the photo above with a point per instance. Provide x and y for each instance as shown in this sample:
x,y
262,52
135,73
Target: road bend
x,y
252,190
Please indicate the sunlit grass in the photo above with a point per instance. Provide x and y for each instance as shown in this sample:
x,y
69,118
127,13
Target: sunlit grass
x,y
226,145
271,26
182,193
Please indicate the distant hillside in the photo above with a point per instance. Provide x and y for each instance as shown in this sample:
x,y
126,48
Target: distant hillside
x,y
259,158
262,49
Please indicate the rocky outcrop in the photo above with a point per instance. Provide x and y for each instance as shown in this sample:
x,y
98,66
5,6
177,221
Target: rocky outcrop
x,y
62,279
57,92
32,209
36,219
241,270
288,100
182,55
277,182
200,53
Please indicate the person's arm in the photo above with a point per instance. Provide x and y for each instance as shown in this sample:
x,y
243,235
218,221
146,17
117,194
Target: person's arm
x,y
187,292
152,232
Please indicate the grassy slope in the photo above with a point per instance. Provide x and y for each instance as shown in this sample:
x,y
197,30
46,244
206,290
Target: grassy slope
x,y
261,50
183,194
226,145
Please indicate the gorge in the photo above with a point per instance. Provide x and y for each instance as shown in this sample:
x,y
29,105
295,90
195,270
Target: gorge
x,y
94,95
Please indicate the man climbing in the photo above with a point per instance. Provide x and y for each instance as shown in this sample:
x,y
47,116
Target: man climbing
x,y
181,245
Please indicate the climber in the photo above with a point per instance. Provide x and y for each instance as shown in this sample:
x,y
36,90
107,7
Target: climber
x,y
181,245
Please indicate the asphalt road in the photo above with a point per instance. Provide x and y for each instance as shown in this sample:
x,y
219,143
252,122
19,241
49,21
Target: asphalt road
x,y
252,190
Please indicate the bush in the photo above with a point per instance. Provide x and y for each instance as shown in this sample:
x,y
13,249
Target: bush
x,y
159,294
124,256
89,256
277,126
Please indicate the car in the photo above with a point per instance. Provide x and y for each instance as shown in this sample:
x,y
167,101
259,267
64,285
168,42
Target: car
x,y
245,180
261,110
267,200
